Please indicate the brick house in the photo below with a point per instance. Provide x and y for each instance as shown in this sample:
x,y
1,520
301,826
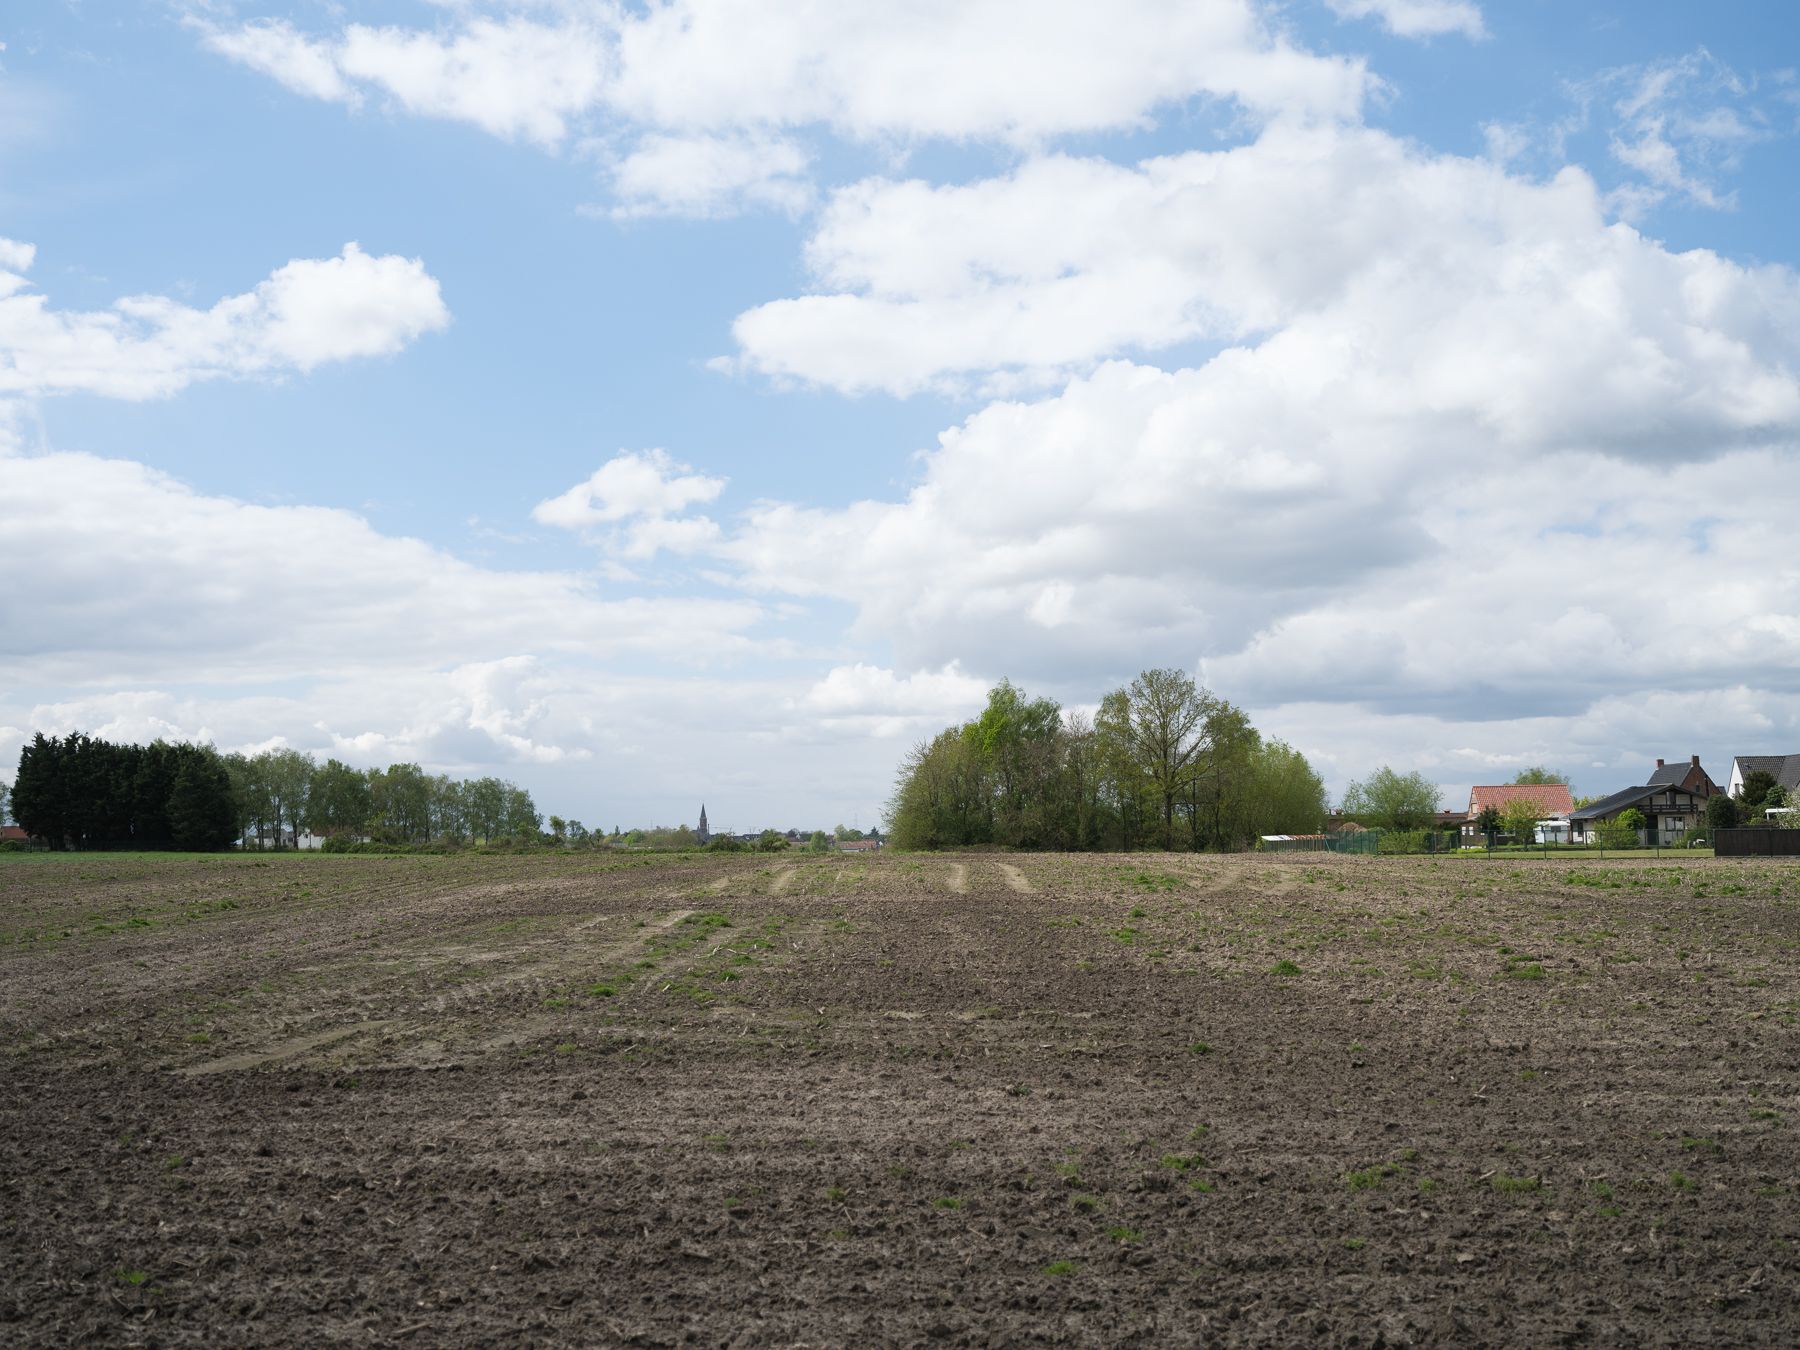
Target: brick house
x,y
1551,801
1689,776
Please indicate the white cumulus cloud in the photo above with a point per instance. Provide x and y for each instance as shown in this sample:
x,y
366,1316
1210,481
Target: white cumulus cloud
x,y
138,579
304,314
1417,18
1442,280
707,88
701,176
650,483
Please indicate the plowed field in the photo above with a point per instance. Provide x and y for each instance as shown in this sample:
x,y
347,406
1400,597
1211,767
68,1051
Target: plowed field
x,y
1155,1100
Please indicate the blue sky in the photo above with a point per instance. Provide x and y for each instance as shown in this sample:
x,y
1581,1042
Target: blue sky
x,y
1388,362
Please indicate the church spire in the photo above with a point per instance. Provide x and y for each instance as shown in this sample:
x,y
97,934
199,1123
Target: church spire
x,y
703,834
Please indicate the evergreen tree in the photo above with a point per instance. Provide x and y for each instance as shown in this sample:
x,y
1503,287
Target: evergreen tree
x,y
40,795
1755,787
152,785
1721,814
202,815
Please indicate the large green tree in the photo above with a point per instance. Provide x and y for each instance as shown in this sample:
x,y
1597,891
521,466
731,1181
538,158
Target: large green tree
x,y
940,799
339,804
1165,762
1018,742
484,808
1220,792
1393,800
1537,773
286,777
1519,817
1161,720
1755,787
1288,796
40,799
400,798
521,820
1721,814
202,815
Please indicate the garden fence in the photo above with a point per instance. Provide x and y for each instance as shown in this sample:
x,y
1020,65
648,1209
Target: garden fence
x,y
1751,843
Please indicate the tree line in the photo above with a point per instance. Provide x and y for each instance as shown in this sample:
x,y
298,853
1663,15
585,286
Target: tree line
x,y
1163,763
80,791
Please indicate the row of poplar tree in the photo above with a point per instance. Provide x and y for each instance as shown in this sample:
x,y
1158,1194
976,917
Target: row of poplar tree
x,y
1164,763
80,791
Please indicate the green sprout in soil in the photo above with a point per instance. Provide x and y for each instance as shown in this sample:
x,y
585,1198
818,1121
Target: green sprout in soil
x,y
1370,1177
1516,1185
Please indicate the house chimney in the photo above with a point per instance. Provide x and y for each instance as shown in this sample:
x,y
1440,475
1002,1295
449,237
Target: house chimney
x,y
1694,760
1659,764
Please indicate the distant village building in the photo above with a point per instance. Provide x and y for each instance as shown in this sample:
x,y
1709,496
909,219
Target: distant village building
x,y
1672,802
1784,769
1669,813
1690,777
1551,801
702,834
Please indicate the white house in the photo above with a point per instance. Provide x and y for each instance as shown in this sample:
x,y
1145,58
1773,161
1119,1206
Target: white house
x,y
1785,769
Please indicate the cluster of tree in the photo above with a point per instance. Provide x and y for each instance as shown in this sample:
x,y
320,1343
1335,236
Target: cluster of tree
x,y
1164,763
283,794
1759,792
1390,800
680,837
79,791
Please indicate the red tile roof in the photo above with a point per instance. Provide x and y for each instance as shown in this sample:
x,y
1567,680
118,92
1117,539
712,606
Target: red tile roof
x,y
15,833
1551,799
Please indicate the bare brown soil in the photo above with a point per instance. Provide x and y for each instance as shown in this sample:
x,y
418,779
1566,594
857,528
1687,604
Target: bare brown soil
x,y
814,1101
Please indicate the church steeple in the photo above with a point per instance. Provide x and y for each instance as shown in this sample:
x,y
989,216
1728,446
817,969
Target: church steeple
x,y
703,834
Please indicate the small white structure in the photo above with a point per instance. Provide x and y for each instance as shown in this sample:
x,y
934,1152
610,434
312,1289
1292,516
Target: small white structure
x,y
1553,831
